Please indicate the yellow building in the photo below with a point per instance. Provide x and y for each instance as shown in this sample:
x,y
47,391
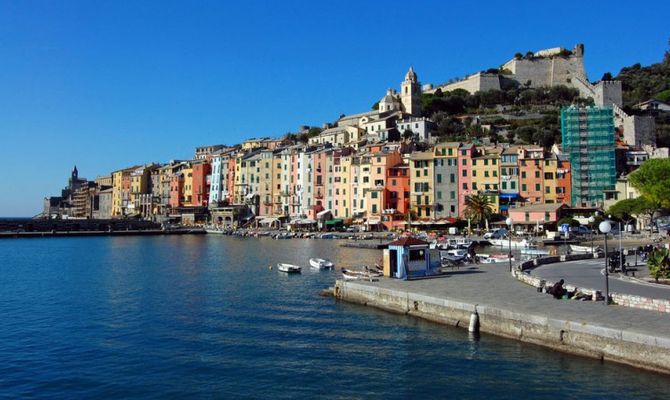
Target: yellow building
x,y
265,187
188,186
343,186
550,182
121,191
485,175
421,184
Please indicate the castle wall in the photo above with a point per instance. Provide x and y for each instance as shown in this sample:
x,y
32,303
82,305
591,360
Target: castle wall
x,y
639,130
549,71
473,83
608,93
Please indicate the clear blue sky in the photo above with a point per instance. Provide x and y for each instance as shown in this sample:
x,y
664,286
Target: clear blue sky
x,y
106,85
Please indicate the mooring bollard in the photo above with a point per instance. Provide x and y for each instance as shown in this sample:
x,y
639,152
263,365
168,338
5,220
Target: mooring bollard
x,y
474,323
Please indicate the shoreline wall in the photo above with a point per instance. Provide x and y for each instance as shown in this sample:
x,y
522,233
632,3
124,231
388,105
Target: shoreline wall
x,y
638,350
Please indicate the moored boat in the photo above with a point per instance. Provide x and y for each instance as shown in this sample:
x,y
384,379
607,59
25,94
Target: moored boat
x,y
288,268
320,263
583,249
535,252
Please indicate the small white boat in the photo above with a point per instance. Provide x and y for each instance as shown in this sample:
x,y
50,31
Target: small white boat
x,y
320,263
515,244
368,275
495,258
535,252
583,249
288,268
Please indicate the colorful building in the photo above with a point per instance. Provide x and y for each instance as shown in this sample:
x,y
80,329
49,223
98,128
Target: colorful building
x,y
421,184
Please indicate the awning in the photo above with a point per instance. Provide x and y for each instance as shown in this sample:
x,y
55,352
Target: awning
x,y
373,222
335,221
250,196
509,195
268,221
305,222
323,213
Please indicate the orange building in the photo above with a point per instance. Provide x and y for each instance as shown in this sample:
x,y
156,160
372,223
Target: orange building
x,y
531,177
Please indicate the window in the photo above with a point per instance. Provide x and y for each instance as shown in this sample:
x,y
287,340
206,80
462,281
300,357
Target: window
x,y
548,175
523,174
474,185
374,195
439,178
452,178
474,162
418,173
504,185
537,174
486,161
464,162
474,173
546,216
465,172
512,185
537,187
486,174
523,187
439,195
547,189
465,186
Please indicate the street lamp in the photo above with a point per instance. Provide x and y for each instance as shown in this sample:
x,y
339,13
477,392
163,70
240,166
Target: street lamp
x,y
592,219
605,227
509,222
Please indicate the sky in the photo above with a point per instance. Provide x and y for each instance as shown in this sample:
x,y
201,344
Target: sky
x,y
107,85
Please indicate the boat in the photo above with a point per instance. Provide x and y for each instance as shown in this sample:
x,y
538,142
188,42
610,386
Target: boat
x,y
320,263
327,236
515,244
583,249
535,252
214,230
367,274
494,258
283,235
288,268
454,255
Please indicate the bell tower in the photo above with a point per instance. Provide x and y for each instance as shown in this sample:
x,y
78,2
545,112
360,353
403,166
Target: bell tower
x,y
410,93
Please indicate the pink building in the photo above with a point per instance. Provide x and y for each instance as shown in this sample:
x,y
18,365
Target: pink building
x,y
465,155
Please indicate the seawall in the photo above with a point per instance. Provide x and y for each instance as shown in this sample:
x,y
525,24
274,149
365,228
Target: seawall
x,y
571,335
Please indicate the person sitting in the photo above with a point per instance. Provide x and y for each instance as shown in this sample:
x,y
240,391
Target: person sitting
x,y
557,290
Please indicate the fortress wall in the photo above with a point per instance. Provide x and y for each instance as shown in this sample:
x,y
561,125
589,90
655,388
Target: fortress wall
x,y
473,83
546,71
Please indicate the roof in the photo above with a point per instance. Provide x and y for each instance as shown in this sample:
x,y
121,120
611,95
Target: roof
x,y
425,155
408,241
539,207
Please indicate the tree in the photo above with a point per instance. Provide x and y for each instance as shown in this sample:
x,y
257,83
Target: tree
x,y
375,107
478,208
652,179
629,209
408,134
568,220
607,76
659,264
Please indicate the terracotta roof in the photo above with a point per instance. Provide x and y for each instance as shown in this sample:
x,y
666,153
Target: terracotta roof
x,y
407,241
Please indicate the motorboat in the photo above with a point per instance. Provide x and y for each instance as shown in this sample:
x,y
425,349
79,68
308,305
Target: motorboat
x,y
515,244
494,258
288,268
583,249
367,274
534,252
454,255
320,263
327,236
283,235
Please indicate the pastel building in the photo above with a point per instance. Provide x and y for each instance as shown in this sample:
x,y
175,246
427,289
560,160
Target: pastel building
x,y
445,165
466,153
531,163
485,175
421,184
509,178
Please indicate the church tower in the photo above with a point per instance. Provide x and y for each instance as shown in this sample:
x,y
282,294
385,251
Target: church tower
x,y
410,94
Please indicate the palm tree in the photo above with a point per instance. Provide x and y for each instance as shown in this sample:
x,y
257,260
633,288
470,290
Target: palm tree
x,y
478,208
659,264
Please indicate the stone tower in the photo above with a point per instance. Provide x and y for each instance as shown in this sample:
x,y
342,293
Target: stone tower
x,y
410,93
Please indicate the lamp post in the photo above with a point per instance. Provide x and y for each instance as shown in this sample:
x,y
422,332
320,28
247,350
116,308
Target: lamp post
x,y
605,227
592,219
509,222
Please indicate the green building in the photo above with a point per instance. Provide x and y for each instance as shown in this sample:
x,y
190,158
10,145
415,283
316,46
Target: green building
x,y
588,142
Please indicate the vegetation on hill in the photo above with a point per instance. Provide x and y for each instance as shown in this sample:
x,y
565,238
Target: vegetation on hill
x,y
643,83
516,115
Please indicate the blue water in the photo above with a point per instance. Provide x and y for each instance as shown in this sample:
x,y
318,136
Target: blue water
x,y
203,317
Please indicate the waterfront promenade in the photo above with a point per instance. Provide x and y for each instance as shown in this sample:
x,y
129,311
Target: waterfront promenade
x,y
510,308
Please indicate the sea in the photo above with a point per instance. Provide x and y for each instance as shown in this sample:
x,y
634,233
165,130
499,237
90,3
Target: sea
x,y
209,316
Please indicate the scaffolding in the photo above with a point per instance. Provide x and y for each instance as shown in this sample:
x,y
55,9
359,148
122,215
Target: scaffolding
x,y
588,141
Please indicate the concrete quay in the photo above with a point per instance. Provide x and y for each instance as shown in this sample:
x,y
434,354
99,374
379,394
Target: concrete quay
x,y
512,309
